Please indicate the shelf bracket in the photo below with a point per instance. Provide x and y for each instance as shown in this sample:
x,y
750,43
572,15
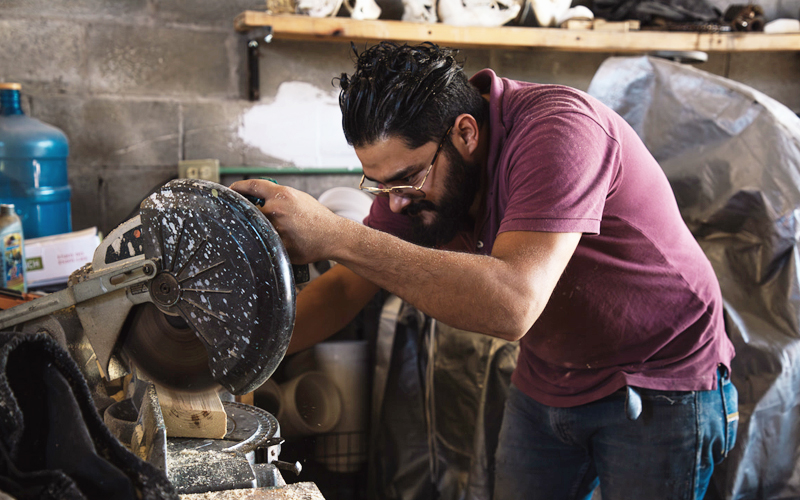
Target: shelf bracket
x,y
254,40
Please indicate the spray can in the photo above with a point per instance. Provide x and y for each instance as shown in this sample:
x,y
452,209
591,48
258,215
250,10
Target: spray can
x,y
12,250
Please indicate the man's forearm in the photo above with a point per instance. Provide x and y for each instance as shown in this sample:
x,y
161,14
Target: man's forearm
x,y
479,293
327,304
501,295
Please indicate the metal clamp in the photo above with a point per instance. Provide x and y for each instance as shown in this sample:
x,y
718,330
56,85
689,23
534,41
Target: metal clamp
x,y
255,38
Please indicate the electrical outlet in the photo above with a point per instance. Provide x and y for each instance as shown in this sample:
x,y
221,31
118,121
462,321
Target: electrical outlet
x,y
207,170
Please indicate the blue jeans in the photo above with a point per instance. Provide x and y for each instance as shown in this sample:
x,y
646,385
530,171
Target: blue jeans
x,y
668,452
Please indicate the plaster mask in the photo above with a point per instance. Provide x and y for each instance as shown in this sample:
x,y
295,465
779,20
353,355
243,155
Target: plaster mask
x,y
478,12
420,11
318,8
548,12
363,9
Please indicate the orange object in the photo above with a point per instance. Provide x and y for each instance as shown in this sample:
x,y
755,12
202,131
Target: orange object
x,y
10,298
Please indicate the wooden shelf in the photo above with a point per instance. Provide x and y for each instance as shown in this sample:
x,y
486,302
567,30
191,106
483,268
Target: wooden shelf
x,y
344,29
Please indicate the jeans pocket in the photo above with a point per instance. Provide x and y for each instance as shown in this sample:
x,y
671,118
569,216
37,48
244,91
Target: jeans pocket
x,y
730,405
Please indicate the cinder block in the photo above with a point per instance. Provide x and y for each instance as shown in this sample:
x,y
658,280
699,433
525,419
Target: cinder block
x,y
157,60
42,51
82,8
86,206
123,189
563,68
474,60
210,130
315,63
115,132
773,73
106,196
204,12
717,63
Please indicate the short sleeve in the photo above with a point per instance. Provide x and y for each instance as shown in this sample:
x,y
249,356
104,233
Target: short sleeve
x,y
561,169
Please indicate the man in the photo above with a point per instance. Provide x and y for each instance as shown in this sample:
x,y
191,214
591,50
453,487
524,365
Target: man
x,y
530,212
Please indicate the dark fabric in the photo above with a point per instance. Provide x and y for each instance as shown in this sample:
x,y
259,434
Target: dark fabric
x,y
440,418
53,443
680,11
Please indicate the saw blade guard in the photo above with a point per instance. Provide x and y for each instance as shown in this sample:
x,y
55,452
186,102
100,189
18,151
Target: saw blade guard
x,y
225,271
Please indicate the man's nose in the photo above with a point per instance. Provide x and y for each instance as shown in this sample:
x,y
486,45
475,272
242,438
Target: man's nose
x,y
397,203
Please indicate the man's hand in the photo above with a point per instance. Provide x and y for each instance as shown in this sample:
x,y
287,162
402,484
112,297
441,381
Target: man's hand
x,y
306,227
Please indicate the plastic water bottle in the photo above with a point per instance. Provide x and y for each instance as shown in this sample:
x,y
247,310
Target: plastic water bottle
x,y
12,250
33,168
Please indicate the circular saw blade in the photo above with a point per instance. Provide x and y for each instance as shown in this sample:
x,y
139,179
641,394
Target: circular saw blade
x,y
225,271
165,349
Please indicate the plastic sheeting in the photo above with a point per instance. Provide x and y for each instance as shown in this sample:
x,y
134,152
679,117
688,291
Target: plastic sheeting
x,y
438,400
732,156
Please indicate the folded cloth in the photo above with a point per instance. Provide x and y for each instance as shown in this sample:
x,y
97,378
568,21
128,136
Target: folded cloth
x,y
53,443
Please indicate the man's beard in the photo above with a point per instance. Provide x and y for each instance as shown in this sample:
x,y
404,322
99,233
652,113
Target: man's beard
x,y
450,214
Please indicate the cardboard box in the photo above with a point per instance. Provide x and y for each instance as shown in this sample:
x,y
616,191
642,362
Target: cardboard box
x,y
51,259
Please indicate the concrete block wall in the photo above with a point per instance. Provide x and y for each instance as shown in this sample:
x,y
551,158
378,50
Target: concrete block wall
x,y
138,85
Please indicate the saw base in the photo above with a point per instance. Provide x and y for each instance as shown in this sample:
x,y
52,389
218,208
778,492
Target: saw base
x,y
197,465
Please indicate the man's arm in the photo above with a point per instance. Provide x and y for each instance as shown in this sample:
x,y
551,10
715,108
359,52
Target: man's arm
x,y
327,305
500,295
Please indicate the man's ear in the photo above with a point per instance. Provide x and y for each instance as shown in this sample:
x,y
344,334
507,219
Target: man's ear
x,y
466,134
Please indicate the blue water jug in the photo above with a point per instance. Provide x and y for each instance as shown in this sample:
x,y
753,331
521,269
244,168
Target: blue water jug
x,y
33,168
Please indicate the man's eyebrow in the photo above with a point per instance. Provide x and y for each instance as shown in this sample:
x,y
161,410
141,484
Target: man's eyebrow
x,y
402,174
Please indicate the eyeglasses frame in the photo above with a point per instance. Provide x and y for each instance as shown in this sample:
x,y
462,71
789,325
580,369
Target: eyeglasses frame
x,y
397,190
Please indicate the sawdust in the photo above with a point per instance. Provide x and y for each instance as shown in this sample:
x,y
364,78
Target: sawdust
x,y
297,491
185,457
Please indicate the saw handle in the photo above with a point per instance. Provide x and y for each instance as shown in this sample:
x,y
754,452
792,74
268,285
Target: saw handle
x,y
259,202
255,200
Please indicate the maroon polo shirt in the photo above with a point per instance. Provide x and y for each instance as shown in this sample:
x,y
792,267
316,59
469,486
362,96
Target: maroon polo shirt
x,y
638,303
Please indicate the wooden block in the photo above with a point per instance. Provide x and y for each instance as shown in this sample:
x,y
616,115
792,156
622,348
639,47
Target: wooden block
x,y
246,399
194,415
603,25
577,24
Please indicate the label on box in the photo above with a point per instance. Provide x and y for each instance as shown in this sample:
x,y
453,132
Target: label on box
x,y
51,259
33,264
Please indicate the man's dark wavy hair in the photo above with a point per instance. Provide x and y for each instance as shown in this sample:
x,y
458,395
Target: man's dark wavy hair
x,y
412,92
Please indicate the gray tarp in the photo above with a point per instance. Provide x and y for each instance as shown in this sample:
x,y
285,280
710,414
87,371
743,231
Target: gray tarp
x,y
732,156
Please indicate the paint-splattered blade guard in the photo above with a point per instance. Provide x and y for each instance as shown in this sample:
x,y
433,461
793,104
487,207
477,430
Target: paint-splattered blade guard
x,y
225,285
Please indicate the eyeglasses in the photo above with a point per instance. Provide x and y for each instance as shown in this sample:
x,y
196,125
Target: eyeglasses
x,y
406,191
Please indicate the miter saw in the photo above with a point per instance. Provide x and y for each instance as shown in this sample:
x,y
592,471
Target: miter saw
x,y
194,292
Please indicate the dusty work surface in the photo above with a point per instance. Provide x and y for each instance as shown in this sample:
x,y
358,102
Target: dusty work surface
x,y
297,491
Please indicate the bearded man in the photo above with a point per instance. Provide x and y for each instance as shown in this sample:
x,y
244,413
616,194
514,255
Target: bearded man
x,y
530,212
